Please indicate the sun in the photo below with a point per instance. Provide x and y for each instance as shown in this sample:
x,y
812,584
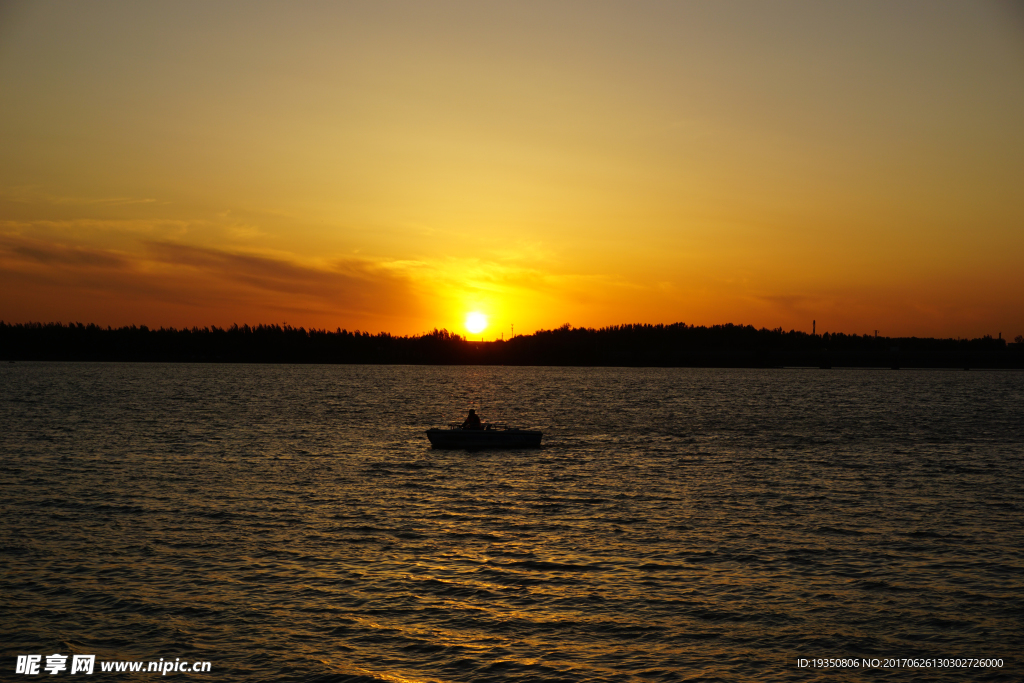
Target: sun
x,y
476,322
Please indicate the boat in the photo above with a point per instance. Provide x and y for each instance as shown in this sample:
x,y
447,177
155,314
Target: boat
x,y
488,435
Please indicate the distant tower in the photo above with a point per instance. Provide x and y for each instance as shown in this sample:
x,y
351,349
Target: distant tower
x,y
814,327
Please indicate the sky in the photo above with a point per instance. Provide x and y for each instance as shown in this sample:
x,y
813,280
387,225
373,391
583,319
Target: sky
x,y
395,166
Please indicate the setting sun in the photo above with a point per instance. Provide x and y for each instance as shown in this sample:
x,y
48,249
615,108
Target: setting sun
x,y
476,322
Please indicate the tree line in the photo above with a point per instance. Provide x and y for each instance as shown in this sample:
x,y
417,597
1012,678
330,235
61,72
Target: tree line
x,y
673,345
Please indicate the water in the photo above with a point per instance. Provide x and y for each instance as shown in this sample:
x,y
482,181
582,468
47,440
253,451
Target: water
x,y
291,523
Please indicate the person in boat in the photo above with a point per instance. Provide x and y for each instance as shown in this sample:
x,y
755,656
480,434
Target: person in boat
x,y
472,421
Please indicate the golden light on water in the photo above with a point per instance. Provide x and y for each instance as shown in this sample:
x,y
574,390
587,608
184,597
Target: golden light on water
x,y
476,322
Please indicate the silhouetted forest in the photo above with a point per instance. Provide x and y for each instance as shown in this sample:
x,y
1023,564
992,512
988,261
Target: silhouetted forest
x,y
675,345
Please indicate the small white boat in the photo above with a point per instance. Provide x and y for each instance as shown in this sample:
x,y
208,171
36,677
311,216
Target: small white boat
x,y
488,435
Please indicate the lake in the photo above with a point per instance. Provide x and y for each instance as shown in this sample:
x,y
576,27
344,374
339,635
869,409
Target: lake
x,y
291,523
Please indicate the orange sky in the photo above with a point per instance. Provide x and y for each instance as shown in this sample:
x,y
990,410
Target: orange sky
x,y
393,166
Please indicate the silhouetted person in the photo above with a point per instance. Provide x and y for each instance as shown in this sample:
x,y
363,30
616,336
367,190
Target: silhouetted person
x,y
472,420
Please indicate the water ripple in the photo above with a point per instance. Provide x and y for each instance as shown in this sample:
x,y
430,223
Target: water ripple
x,y
290,522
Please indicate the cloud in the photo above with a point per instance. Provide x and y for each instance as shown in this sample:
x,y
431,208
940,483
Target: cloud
x,y
27,194
355,285
49,254
46,280
790,303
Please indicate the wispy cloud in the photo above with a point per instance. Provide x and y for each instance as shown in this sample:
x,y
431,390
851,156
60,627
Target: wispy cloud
x,y
350,285
29,194
205,283
22,249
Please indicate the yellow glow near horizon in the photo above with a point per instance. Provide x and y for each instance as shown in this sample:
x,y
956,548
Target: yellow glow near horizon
x,y
476,322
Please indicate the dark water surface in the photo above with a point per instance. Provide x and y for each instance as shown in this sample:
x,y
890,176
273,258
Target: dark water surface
x,y
291,523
